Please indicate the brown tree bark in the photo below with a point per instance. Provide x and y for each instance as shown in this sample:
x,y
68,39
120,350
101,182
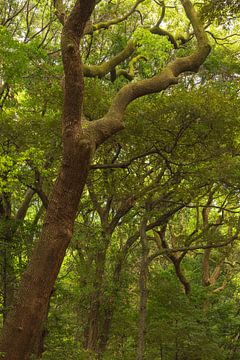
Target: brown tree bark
x,y
143,279
24,322
94,318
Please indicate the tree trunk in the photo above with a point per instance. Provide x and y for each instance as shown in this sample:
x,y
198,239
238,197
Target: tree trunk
x,y
24,321
94,327
142,311
39,347
106,326
142,327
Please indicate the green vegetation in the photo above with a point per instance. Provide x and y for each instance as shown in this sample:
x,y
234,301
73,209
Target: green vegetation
x,y
150,270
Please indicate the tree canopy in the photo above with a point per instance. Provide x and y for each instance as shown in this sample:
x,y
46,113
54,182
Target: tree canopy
x,y
119,179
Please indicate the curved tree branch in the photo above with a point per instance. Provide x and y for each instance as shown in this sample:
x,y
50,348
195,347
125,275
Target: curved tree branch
x,y
112,122
174,258
90,28
21,213
197,247
162,32
108,66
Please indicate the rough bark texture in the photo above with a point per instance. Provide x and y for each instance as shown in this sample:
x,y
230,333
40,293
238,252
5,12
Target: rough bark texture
x,y
39,348
24,322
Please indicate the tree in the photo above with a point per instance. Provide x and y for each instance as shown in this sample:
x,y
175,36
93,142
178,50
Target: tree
x,y
80,141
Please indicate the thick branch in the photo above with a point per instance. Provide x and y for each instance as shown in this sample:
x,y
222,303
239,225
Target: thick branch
x,y
169,75
125,206
108,66
60,10
216,272
39,189
112,122
159,31
21,213
182,278
95,200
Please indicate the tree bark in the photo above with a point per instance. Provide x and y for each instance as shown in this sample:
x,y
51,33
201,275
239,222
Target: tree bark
x,y
94,319
24,321
39,347
143,277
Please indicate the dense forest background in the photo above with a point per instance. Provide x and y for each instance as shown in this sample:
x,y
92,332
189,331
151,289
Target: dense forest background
x,y
152,269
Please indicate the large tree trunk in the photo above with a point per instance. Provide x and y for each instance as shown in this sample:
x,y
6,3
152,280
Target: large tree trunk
x,y
39,348
24,322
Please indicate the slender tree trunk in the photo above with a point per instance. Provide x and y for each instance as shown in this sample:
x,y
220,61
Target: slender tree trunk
x,y
94,327
161,351
142,311
107,312
106,326
111,305
176,349
142,326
